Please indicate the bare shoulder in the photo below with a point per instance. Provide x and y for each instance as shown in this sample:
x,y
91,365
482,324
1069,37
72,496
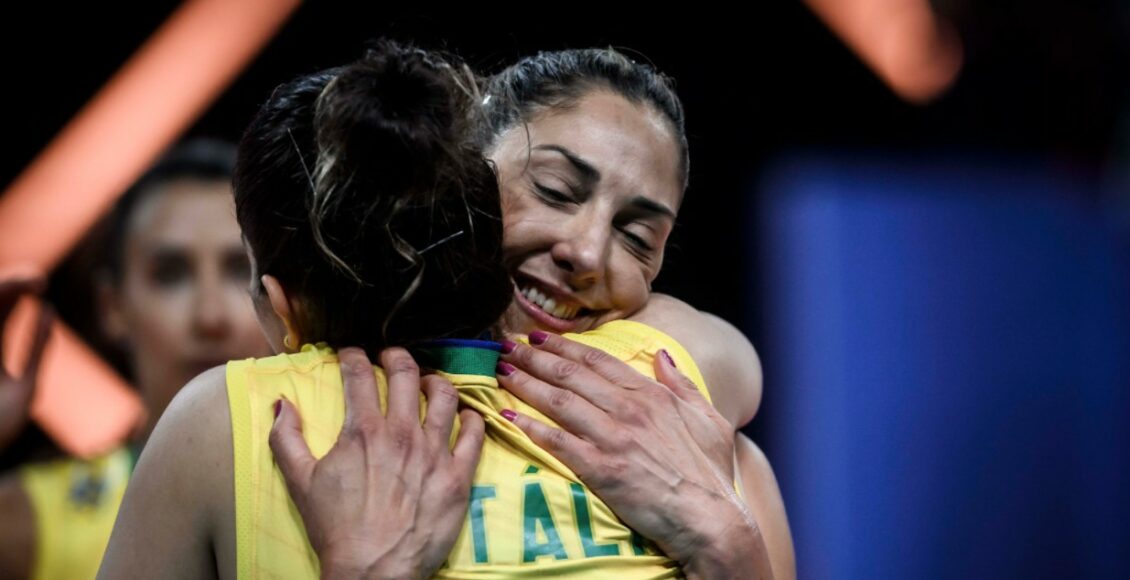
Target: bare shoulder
x,y
725,356
180,494
194,425
17,535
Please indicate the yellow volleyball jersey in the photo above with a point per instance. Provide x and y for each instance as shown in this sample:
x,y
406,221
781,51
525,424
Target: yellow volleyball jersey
x,y
529,516
75,503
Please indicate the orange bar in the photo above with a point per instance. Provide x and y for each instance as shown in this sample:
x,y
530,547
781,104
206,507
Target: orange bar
x,y
158,93
915,53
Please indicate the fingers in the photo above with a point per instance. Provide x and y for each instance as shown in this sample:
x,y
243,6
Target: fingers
x,y
575,376
600,362
468,444
570,449
572,411
403,385
362,403
38,345
14,288
668,374
443,400
289,447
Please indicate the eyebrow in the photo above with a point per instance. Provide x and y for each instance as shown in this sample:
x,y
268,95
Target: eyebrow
x,y
588,171
652,206
591,174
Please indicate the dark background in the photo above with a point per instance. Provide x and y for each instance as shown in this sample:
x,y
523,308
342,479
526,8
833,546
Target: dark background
x,y
1043,77
1027,389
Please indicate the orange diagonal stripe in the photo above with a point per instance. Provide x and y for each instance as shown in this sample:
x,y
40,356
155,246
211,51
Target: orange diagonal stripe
x,y
159,92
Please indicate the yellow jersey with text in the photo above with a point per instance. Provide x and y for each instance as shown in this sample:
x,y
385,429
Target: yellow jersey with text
x,y
528,516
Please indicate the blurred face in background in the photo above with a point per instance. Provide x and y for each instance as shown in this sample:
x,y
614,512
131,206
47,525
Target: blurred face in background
x,y
181,305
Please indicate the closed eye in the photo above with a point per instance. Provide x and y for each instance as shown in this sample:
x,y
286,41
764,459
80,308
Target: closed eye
x,y
551,195
637,241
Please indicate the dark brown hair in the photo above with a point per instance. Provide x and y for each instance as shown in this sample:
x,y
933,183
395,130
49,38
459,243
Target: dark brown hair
x,y
361,190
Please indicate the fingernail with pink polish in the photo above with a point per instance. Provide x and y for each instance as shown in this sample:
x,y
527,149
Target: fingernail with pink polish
x,y
508,414
278,407
507,347
667,356
504,369
538,337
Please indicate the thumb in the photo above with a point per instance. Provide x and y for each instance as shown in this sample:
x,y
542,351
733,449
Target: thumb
x,y
667,373
289,447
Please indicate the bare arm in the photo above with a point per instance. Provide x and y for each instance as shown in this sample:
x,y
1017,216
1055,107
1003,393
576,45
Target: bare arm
x,y
759,486
16,392
17,534
725,356
732,370
179,493
655,450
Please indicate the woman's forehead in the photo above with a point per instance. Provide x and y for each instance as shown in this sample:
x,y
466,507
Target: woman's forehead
x,y
186,211
606,137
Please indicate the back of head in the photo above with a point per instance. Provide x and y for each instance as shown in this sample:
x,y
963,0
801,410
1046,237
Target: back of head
x,y
559,79
360,189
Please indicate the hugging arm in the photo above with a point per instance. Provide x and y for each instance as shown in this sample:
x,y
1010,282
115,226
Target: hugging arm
x,y
655,451
610,401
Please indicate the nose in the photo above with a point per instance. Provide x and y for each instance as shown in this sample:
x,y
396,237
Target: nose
x,y
583,253
210,314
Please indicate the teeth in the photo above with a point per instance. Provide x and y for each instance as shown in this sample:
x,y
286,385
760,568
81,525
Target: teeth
x,y
561,311
549,305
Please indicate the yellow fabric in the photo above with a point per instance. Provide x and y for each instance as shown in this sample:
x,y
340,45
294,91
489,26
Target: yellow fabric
x,y
527,517
75,503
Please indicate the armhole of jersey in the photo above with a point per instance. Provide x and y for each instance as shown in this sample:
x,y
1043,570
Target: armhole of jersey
x,y
683,360
240,406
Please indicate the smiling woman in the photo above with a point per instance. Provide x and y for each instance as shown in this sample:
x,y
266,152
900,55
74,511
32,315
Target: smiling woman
x,y
557,182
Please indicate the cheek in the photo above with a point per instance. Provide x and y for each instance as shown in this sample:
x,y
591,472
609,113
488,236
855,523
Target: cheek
x,y
157,313
629,285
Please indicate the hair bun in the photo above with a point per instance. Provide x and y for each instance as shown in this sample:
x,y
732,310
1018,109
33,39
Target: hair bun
x,y
393,108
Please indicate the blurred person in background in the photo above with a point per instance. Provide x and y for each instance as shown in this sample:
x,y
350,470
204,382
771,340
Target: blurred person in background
x,y
161,289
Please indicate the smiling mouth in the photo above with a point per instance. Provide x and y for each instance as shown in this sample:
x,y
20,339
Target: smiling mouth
x,y
544,301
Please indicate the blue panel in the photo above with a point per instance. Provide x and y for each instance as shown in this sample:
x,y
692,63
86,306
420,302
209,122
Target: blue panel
x,y
949,359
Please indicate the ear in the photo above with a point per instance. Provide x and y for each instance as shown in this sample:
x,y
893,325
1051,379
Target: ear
x,y
284,310
111,316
